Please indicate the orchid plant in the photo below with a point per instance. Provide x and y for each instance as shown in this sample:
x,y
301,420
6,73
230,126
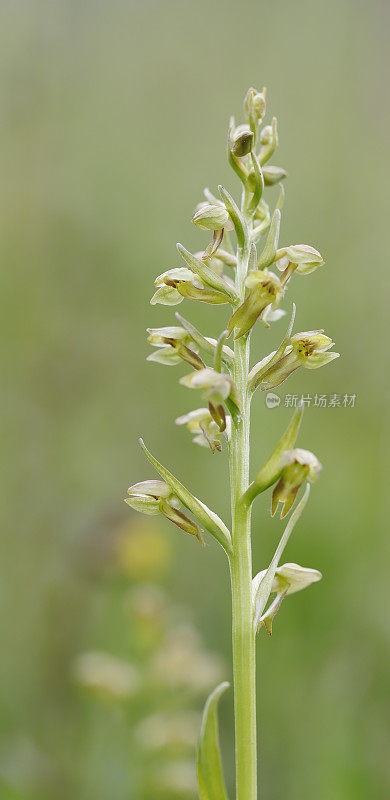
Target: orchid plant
x,y
261,273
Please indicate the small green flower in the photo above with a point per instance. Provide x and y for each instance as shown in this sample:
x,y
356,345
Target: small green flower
x,y
217,388
289,578
156,497
174,345
296,466
266,291
201,423
176,284
308,349
300,257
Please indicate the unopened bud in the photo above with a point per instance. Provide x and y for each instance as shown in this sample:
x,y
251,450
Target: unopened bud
x,y
212,217
273,175
242,142
255,104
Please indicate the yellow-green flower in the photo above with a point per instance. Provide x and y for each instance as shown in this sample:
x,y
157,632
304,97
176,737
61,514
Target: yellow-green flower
x,y
309,349
296,466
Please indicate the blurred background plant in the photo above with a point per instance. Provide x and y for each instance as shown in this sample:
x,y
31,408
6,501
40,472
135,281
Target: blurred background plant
x,y
105,143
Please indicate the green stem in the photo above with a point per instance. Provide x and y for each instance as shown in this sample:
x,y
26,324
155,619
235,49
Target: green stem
x,y
243,634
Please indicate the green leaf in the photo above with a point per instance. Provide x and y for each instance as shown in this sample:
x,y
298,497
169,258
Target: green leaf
x,y
203,514
211,782
259,187
209,345
270,472
207,274
256,375
265,586
268,255
235,215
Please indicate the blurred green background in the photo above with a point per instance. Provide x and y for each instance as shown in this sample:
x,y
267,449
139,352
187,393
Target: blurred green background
x,y
113,119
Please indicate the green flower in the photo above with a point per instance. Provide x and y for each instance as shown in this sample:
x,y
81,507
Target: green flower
x,y
296,466
266,291
308,349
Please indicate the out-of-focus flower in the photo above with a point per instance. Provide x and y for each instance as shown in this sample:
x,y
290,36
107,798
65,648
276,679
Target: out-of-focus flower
x,y
106,675
169,732
296,466
142,550
181,663
176,779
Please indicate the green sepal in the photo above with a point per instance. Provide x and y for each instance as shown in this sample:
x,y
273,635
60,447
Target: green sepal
x,y
211,522
208,275
236,217
271,470
227,354
265,587
211,783
267,257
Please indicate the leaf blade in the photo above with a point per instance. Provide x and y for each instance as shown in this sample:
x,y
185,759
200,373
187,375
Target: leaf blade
x,y
207,275
211,782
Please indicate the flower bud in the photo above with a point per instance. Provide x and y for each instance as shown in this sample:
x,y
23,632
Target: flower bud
x,y
273,175
266,290
266,135
255,104
296,466
242,141
212,217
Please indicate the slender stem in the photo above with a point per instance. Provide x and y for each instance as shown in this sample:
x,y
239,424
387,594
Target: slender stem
x,y
243,634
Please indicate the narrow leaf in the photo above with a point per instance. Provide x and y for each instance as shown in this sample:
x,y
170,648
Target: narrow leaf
x,y
255,376
268,255
211,782
207,274
259,184
270,472
265,586
206,344
203,514
235,215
